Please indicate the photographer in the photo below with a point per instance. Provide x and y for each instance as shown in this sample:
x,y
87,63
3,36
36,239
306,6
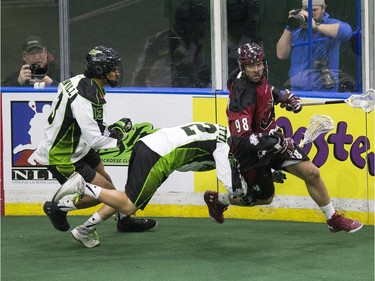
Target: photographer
x,y
327,35
38,69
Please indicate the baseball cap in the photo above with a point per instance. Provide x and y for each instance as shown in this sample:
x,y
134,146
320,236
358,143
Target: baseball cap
x,y
305,3
32,42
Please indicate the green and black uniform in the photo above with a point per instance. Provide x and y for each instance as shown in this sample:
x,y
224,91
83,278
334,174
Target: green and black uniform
x,y
75,130
190,147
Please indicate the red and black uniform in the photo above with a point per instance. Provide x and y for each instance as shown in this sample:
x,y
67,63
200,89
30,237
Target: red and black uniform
x,y
251,118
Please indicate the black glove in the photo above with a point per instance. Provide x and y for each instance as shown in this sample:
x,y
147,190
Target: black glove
x,y
121,127
290,102
278,176
284,147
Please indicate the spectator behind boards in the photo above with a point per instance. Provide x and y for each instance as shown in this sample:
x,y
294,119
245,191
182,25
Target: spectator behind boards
x,y
327,35
244,20
38,69
175,57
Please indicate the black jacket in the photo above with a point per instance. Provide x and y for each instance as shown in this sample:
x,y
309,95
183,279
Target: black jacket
x,y
53,72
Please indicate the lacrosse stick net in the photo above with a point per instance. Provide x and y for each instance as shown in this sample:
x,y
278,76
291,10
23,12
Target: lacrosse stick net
x,y
365,101
319,124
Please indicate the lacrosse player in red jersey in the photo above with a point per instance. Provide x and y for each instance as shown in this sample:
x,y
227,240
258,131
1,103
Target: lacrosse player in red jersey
x,y
258,145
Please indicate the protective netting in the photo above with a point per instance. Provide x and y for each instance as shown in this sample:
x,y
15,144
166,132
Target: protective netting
x,y
319,124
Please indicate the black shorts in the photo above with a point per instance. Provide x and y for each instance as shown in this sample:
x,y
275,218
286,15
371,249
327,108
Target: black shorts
x,y
147,171
86,167
278,162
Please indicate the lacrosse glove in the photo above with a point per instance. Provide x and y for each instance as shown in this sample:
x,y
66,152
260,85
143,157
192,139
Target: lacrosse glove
x,y
121,127
290,102
278,176
284,147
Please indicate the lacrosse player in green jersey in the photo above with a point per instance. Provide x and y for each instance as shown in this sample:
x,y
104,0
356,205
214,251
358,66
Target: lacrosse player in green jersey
x,y
190,147
76,130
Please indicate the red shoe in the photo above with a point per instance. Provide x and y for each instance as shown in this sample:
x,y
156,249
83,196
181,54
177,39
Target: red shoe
x,y
339,222
215,208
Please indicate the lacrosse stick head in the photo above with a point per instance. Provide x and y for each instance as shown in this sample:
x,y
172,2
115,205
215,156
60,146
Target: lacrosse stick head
x,y
365,101
319,124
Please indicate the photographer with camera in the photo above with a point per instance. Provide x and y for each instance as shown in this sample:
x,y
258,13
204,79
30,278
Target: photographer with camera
x,y
327,33
38,69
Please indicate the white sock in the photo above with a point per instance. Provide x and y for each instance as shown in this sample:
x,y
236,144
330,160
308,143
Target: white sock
x,y
92,190
94,220
328,210
223,199
66,203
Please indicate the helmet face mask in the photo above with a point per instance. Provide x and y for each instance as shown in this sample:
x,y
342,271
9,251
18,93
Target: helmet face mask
x,y
100,61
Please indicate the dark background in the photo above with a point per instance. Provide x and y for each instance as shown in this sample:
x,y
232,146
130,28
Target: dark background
x,y
125,25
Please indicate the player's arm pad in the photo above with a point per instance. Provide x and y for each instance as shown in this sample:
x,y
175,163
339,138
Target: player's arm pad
x,y
273,143
265,142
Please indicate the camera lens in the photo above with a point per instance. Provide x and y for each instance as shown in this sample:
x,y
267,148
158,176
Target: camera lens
x,y
326,76
296,21
37,71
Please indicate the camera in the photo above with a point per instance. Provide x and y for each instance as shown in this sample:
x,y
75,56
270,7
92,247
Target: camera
x,y
326,75
296,20
37,71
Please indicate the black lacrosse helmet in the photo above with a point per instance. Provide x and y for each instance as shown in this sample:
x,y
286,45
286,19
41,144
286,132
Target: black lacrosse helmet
x,y
102,60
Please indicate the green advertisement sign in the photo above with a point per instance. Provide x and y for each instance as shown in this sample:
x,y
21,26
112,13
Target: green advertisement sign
x,y
120,155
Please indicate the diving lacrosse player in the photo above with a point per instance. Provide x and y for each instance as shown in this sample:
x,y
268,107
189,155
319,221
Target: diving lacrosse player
x,y
190,147
75,131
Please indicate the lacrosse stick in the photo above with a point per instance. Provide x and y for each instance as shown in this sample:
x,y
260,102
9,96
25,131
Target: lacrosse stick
x,y
365,101
319,124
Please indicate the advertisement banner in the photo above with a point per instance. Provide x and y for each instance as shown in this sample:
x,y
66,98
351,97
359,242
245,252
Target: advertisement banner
x,y
345,155
24,120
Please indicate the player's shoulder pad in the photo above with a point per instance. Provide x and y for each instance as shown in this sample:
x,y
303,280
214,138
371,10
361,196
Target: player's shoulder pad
x,y
90,91
242,95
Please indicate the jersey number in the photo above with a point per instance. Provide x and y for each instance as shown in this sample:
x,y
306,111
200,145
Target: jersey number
x,y
191,129
53,113
241,125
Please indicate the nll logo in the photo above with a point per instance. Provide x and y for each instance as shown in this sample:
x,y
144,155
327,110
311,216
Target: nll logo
x,y
28,174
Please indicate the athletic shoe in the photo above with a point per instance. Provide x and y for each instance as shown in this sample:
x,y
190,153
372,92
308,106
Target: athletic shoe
x,y
215,208
129,224
56,216
74,184
339,222
88,238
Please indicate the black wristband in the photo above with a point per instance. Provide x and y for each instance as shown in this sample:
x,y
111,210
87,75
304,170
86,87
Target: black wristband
x,y
315,28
